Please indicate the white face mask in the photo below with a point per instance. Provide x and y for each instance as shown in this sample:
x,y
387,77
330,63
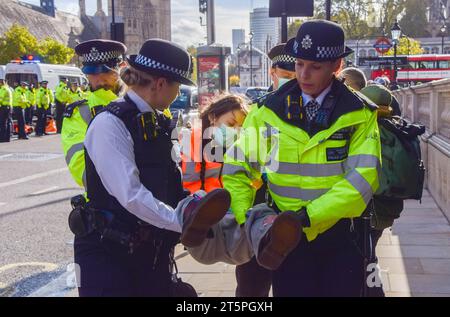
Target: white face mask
x,y
281,81
225,136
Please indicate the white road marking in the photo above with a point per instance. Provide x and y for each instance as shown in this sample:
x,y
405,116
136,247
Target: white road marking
x,y
45,191
6,155
2,204
47,267
33,177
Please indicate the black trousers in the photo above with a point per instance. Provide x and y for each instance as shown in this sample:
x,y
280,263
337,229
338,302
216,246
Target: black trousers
x,y
5,124
253,280
59,111
107,269
29,111
41,121
332,265
19,115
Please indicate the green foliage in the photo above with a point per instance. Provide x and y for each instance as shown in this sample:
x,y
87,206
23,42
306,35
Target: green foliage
x,y
193,51
293,28
18,41
414,22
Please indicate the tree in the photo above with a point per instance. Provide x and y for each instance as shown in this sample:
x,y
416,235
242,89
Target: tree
x,y
293,28
16,42
414,22
234,81
55,52
407,46
193,51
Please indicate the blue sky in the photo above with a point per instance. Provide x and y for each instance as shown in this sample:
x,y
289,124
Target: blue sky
x,y
186,29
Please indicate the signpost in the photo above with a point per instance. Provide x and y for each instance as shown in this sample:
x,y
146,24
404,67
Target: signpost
x,y
382,45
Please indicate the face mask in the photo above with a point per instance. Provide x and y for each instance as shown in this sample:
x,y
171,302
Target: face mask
x,y
282,81
225,136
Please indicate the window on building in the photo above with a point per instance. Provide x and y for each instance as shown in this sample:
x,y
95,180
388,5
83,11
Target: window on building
x,y
372,53
435,50
362,53
426,50
129,23
134,24
447,50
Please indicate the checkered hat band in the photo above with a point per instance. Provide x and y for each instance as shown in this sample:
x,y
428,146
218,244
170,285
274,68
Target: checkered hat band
x,y
283,59
150,63
330,52
101,57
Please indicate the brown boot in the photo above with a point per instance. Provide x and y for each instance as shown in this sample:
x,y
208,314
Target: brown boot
x,y
201,214
283,237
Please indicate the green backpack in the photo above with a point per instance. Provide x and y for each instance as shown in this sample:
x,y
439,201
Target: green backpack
x,y
402,172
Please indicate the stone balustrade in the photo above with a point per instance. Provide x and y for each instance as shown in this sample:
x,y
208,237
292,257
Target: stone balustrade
x,y
429,104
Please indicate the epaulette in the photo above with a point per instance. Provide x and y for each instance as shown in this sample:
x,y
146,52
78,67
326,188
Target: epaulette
x,y
68,112
367,102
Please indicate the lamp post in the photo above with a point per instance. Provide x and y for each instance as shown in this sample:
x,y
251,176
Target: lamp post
x,y
396,33
443,30
251,58
239,64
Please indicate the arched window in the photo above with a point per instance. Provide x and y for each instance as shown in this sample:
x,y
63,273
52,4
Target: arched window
x,y
426,50
372,53
362,53
435,50
446,50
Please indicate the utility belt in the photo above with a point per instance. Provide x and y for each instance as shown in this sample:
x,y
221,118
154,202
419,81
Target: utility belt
x,y
84,220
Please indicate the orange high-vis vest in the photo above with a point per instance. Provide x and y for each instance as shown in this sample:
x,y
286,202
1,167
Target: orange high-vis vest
x,y
192,168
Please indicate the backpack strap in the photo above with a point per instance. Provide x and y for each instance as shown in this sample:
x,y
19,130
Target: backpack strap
x,y
68,112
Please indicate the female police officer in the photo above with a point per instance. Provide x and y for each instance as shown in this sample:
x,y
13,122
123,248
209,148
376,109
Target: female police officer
x,y
319,145
133,184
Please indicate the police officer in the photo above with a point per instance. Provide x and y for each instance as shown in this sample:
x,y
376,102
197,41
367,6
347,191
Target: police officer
x,y
318,142
44,99
20,102
74,94
29,110
61,101
102,60
133,183
283,67
5,111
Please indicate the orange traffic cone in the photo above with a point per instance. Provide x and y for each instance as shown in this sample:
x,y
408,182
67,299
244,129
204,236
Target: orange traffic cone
x,y
51,125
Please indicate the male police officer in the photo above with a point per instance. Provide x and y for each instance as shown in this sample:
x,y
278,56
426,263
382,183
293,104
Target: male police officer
x,y
20,102
283,66
102,60
5,111
74,94
44,99
134,182
319,144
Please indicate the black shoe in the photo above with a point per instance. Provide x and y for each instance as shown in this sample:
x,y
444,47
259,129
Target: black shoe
x,y
281,239
23,138
201,214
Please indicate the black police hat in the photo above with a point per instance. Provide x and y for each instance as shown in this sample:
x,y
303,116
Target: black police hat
x,y
166,59
281,59
319,41
44,82
100,56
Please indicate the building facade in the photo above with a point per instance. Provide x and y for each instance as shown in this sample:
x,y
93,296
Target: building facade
x,y
266,31
238,38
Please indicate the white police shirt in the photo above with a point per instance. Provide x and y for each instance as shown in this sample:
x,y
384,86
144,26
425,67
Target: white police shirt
x,y
319,99
110,147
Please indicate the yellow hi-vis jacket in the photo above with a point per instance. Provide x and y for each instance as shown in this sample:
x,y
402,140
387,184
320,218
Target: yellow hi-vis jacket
x,y
61,92
333,173
74,96
5,96
20,97
77,117
44,98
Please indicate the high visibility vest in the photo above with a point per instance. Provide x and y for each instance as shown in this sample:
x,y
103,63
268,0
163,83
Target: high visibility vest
x,y
76,120
31,97
192,168
61,92
73,96
333,173
44,98
5,96
20,98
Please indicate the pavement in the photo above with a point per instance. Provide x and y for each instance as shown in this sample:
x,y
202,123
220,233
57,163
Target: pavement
x,y
36,249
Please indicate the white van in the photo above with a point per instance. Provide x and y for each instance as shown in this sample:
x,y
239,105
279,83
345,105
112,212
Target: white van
x,y
2,71
34,72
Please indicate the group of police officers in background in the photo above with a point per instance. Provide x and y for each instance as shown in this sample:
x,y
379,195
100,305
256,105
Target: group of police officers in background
x,y
26,100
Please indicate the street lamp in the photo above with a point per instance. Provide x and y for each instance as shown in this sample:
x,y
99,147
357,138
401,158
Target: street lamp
x,y
396,32
443,30
239,65
251,58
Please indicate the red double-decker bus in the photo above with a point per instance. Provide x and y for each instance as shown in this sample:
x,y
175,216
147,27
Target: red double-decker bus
x,y
410,69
